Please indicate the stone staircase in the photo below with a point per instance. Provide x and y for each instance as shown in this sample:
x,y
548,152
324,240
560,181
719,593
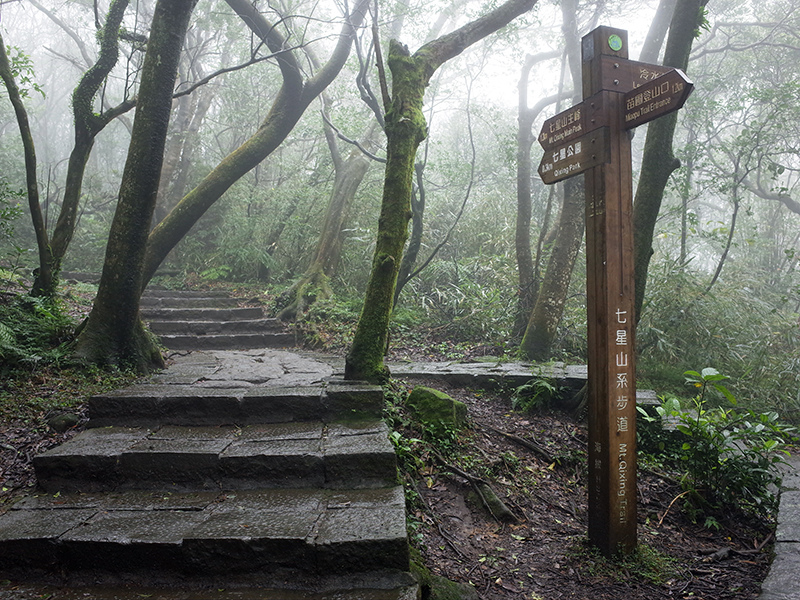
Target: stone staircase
x,y
197,320
255,489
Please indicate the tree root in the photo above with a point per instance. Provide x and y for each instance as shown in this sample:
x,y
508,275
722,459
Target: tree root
x,y
529,444
489,498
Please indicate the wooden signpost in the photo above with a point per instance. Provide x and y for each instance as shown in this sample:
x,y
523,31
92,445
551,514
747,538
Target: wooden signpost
x,y
592,138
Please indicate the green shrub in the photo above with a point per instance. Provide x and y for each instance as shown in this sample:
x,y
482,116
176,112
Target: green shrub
x,y
732,457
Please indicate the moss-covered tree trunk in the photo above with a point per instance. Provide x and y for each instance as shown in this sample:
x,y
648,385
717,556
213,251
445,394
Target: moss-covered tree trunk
x,y
658,160
405,130
87,125
114,334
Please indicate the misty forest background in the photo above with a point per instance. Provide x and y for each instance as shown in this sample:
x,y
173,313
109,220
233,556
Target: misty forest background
x,y
723,283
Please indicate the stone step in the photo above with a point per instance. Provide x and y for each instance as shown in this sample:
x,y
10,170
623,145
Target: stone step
x,y
159,293
152,405
201,314
216,327
383,585
188,302
240,341
222,538
290,455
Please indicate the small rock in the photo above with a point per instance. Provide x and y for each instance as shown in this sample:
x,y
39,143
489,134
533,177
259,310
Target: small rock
x,y
63,422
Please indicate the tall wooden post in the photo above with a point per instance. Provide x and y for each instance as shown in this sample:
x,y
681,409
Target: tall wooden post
x,y
610,304
592,138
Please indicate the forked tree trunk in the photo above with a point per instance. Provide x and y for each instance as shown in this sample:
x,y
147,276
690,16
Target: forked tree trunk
x,y
405,130
114,334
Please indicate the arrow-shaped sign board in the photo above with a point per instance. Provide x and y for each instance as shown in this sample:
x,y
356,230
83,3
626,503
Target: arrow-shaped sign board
x,y
575,156
656,98
575,122
564,127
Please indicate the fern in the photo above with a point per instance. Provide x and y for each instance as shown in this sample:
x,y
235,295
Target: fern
x,y
7,338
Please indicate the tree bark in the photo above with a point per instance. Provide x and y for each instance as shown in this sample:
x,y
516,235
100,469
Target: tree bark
x,y
290,103
405,130
657,32
658,160
114,334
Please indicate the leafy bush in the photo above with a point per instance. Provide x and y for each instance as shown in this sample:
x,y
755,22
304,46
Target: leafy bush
x,y
732,457
33,331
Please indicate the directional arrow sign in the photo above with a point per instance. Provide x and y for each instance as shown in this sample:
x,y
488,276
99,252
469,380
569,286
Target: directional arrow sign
x,y
564,127
656,98
574,157
575,122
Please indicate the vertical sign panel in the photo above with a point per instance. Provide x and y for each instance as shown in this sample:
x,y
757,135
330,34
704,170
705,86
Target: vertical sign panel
x,y
609,251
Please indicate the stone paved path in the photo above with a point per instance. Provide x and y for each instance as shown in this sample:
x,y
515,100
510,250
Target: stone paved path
x,y
257,472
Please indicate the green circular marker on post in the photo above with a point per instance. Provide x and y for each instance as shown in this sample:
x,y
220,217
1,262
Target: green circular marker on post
x,y
615,42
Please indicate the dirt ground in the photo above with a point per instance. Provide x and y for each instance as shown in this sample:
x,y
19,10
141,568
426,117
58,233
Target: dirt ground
x,y
545,555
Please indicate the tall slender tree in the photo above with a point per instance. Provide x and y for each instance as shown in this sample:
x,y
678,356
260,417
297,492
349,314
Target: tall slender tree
x,y
658,160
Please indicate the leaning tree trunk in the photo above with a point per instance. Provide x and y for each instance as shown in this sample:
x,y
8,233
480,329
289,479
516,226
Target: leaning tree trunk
x,y
7,75
542,327
405,130
314,284
114,334
658,160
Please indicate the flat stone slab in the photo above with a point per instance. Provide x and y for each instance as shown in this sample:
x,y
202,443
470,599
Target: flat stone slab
x,y
384,585
228,341
491,374
209,393
152,292
217,533
149,301
205,328
295,454
201,314
244,369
